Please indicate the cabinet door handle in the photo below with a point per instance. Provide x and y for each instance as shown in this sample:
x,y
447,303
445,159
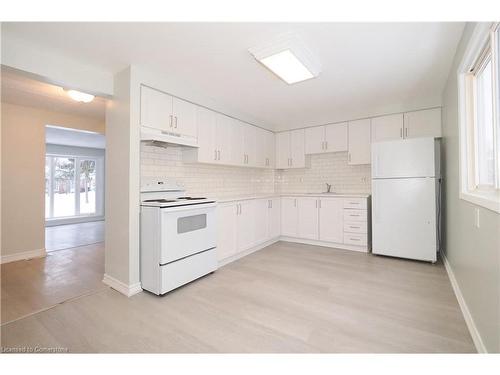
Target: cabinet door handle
x,y
406,131
271,203
400,132
218,154
215,154
319,203
326,145
175,122
171,120
291,162
295,202
349,157
316,203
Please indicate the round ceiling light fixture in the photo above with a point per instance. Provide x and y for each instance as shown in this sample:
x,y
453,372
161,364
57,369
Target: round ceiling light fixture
x,y
80,96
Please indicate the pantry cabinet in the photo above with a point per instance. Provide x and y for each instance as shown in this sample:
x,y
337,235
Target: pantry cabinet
x,y
290,151
359,142
327,138
167,114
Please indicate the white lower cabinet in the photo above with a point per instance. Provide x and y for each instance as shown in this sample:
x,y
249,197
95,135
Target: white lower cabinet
x,y
308,218
289,217
242,225
331,220
328,221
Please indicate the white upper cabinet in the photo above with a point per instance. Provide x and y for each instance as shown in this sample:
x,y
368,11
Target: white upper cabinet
x,y
327,138
297,151
225,140
156,109
386,128
359,142
283,150
249,145
168,114
336,137
206,121
315,140
264,148
184,117
424,123
269,151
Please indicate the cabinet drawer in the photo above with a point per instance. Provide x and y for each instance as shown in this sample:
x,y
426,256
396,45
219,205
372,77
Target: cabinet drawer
x,y
355,215
355,239
355,227
356,203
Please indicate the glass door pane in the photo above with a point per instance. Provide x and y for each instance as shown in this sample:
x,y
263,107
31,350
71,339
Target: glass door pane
x,y
47,186
64,186
87,186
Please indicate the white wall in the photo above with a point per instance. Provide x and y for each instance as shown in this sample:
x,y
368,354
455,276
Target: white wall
x,y
23,174
473,253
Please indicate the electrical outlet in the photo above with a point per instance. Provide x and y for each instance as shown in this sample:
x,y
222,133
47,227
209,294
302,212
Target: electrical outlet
x,y
477,222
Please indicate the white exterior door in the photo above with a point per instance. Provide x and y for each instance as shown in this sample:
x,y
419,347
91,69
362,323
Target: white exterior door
x,y
226,231
336,137
425,123
308,218
315,140
387,127
404,218
359,142
289,217
331,220
283,150
275,218
246,225
156,109
207,133
184,122
297,151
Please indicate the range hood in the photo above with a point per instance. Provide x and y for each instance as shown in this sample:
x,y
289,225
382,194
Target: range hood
x,y
159,136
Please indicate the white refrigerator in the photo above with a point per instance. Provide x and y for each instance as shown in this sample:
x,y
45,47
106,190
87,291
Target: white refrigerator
x,y
406,198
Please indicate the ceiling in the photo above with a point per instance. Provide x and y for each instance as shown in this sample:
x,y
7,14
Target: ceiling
x,y
367,68
22,90
73,137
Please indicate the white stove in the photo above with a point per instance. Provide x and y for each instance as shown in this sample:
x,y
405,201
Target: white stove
x,y
178,236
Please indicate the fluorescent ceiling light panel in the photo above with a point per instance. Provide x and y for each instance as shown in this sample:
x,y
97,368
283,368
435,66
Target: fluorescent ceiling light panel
x,y
288,58
80,96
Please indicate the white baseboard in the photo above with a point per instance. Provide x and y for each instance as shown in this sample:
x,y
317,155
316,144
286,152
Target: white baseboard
x,y
24,255
127,290
361,249
476,337
232,258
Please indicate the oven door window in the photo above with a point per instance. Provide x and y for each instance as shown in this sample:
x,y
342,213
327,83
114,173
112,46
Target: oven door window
x,y
191,223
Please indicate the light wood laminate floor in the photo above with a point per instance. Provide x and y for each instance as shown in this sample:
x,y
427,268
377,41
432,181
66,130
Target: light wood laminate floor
x,y
73,235
32,285
284,298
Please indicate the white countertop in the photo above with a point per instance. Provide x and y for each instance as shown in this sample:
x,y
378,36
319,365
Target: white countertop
x,y
264,196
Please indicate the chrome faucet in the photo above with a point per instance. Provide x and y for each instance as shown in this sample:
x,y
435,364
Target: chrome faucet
x,y
328,187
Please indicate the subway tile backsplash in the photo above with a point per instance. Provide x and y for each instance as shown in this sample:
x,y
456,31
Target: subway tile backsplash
x,y
224,181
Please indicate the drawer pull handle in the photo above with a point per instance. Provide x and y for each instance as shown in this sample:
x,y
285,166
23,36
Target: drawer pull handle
x,y
354,239
352,227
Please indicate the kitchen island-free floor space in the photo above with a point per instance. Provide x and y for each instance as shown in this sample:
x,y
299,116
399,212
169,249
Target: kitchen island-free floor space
x,y
284,298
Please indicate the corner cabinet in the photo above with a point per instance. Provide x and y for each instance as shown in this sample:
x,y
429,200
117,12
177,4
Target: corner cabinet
x,y
290,151
245,226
